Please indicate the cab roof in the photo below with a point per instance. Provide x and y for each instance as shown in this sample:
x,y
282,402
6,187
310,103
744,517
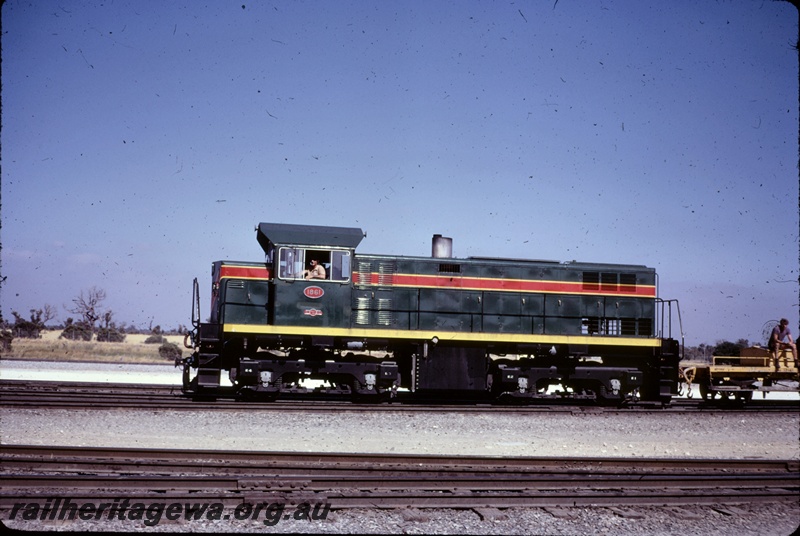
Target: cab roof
x,y
285,234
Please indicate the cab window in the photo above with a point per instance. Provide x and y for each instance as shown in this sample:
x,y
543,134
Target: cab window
x,y
293,263
340,265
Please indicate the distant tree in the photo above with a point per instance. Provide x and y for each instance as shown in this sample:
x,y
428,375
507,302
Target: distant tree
x,y
690,353
156,335
32,329
699,354
729,348
5,335
169,350
28,329
110,335
87,305
123,328
108,331
77,331
49,312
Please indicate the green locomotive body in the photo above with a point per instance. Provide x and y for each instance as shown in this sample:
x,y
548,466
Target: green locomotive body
x,y
477,326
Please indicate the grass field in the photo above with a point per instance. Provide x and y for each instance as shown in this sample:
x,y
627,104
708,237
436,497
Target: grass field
x,y
51,348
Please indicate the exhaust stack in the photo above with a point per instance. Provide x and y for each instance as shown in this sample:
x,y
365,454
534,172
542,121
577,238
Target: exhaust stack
x,y
442,247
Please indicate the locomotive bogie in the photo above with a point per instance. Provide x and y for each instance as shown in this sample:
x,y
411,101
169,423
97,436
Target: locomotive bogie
x,y
351,374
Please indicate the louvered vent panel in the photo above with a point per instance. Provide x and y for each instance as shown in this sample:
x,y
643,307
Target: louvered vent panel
x,y
362,316
384,312
386,272
364,271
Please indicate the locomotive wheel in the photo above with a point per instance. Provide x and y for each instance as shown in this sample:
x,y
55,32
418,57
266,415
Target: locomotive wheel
x,y
355,386
603,398
245,394
704,391
358,395
364,396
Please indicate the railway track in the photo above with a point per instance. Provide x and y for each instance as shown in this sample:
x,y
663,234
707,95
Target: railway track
x,y
83,475
85,395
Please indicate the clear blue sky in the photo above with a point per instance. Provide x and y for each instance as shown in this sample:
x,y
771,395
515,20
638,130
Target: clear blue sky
x,y
142,140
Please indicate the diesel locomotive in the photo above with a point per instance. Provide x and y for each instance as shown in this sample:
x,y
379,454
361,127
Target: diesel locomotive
x,y
372,325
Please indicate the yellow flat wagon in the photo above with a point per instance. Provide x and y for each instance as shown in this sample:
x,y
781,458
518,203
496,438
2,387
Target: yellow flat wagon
x,y
740,376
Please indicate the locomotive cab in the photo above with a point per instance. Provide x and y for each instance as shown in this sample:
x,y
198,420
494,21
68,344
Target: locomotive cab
x,y
302,295
251,302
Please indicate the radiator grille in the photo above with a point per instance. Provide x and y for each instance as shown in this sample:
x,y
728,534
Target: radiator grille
x,y
384,312
362,316
363,273
386,272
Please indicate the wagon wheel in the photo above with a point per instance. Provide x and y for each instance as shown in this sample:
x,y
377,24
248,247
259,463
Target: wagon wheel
x,y
705,391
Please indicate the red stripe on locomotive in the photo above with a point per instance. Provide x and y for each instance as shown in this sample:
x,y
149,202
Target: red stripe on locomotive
x,y
510,285
248,272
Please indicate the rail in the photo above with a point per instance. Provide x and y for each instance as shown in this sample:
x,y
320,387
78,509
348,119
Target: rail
x,y
85,474
110,396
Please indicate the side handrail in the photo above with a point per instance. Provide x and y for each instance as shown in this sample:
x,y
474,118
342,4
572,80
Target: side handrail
x,y
664,316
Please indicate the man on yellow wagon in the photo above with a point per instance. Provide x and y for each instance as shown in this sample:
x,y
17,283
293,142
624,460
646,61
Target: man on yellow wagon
x,y
776,342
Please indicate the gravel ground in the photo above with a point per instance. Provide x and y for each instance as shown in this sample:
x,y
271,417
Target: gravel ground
x,y
763,520
667,435
563,435
583,434
21,369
